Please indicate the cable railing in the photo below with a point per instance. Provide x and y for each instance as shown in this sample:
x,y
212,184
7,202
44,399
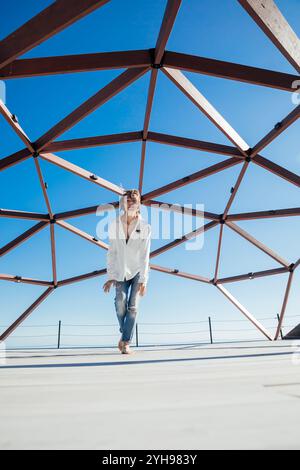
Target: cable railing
x,y
209,330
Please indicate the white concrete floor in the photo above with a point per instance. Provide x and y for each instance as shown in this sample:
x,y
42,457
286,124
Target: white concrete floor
x,y
224,396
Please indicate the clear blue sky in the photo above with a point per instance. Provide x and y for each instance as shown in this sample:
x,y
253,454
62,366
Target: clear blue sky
x,y
210,28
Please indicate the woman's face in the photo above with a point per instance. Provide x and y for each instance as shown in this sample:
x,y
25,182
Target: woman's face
x,y
131,203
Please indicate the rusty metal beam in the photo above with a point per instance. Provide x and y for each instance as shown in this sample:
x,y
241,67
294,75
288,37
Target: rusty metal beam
x,y
194,144
150,97
269,214
48,22
86,142
277,169
184,238
235,188
297,264
284,305
276,131
180,80
177,272
244,311
17,157
181,209
13,214
24,280
12,120
257,243
171,11
191,178
218,252
87,210
23,237
93,103
252,275
155,267
43,66
82,234
142,165
53,254
151,90
170,14
230,70
43,186
62,163
269,18
26,314
81,277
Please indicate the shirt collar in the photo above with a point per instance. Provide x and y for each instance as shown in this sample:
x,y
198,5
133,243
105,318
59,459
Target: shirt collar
x,y
136,226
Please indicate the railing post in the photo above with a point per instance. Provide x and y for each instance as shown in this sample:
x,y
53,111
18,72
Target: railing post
x,y
59,333
136,335
281,333
210,331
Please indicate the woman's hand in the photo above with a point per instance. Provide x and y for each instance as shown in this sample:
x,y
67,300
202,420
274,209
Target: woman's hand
x,y
142,288
108,284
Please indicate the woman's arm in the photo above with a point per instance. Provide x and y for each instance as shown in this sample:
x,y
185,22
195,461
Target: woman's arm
x,y
144,256
111,255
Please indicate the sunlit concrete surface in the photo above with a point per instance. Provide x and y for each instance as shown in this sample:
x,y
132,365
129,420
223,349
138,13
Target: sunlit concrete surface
x,y
237,396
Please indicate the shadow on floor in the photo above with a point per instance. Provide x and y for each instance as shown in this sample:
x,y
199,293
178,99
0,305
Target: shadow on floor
x,y
135,362
202,347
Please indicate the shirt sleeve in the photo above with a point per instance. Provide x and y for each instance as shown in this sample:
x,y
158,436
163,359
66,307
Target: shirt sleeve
x,y
145,256
111,255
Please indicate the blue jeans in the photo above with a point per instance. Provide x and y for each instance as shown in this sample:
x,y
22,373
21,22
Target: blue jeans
x,y
127,306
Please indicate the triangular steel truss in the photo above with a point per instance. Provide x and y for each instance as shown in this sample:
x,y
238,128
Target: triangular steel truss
x,y
63,13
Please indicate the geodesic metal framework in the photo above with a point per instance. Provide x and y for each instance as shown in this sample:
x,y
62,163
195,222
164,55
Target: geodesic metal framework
x,y
137,63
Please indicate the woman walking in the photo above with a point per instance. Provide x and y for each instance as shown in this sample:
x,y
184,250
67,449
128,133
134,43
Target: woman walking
x,y
128,263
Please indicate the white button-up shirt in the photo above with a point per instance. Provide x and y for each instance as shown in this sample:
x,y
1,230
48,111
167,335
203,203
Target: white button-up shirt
x,y
126,259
